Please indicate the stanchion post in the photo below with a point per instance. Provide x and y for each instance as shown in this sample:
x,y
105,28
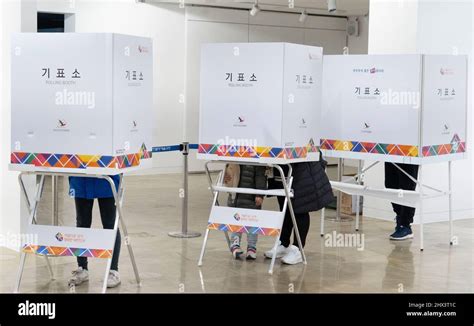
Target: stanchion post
x,y
184,233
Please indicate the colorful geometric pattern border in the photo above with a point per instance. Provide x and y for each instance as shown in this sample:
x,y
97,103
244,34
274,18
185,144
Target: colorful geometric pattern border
x,y
243,229
66,251
456,146
367,147
253,151
75,161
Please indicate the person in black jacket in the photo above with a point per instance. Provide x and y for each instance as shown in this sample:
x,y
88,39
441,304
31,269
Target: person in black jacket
x,y
312,192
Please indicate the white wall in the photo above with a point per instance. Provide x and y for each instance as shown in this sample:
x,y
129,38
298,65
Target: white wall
x,y
431,26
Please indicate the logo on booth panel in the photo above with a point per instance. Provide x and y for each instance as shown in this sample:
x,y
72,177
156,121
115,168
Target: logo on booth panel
x,y
446,71
59,236
302,123
373,70
366,128
240,121
142,49
237,216
62,123
134,126
445,129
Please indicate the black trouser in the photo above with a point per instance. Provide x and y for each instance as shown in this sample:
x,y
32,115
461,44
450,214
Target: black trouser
x,y
302,221
396,179
107,215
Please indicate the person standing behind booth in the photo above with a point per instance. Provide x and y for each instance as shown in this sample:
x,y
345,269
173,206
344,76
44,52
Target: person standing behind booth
x,y
85,190
312,192
396,179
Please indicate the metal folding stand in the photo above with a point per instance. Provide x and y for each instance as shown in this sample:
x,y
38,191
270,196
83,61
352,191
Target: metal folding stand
x,y
285,192
32,207
412,198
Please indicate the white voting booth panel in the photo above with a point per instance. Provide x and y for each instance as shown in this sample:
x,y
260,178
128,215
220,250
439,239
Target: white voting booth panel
x,y
81,103
396,108
260,102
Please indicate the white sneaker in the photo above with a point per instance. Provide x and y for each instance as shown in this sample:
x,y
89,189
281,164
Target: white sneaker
x,y
114,279
280,252
78,277
293,256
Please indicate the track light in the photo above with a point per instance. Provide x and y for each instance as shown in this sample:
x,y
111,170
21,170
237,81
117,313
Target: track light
x,y
255,10
303,16
331,5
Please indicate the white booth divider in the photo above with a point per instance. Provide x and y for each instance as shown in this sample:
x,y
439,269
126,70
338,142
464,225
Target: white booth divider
x,y
80,107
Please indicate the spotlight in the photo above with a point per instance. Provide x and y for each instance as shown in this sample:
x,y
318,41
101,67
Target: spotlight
x,y
331,5
255,10
303,16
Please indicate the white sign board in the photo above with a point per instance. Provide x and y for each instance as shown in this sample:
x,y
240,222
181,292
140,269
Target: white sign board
x,y
69,241
260,102
397,108
81,102
243,220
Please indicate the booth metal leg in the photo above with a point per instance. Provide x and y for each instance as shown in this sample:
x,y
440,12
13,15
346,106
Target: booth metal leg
x,y
203,249
214,202
450,202
420,174
359,169
119,217
274,249
32,207
340,168
292,213
323,216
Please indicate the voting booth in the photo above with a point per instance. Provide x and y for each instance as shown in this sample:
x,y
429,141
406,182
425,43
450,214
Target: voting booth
x,y
81,102
259,105
81,106
396,108
260,102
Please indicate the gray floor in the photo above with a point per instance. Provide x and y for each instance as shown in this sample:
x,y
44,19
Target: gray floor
x,y
170,265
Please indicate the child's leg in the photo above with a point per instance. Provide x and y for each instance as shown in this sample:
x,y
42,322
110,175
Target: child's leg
x,y
235,238
252,245
252,240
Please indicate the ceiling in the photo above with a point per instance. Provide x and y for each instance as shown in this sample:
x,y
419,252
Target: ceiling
x,y
344,7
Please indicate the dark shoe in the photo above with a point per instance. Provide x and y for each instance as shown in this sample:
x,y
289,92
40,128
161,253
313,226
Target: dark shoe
x,y
397,228
403,233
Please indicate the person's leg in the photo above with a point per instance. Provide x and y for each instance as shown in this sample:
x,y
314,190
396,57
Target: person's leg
x,y
407,213
287,228
252,240
252,245
108,213
235,249
83,220
392,181
302,221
